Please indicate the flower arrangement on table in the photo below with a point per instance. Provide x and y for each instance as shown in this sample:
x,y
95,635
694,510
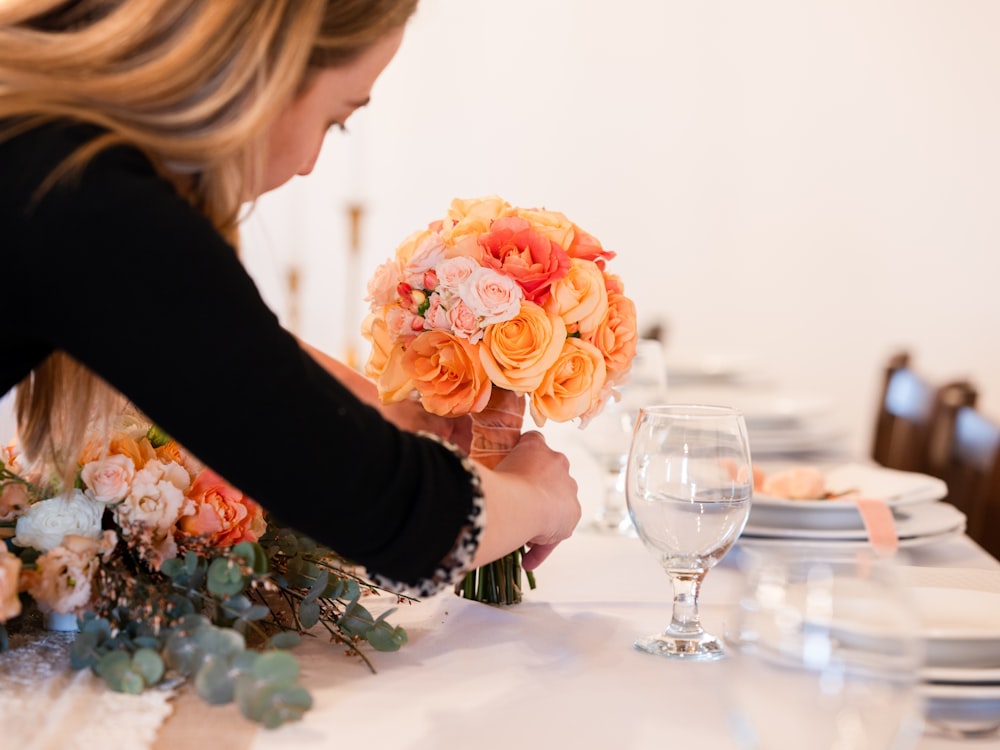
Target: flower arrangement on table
x,y
175,574
489,307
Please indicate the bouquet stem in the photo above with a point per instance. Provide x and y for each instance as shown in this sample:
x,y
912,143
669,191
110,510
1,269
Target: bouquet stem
x,y
495,431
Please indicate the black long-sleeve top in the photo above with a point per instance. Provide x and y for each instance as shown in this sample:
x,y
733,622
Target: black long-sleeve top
x,y
116,269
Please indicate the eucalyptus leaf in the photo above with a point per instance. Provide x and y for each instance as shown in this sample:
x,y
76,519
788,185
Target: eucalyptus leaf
x,y
219,641
285,640
214,682
225,578
276,667
318,586
309,614
385,637
149,665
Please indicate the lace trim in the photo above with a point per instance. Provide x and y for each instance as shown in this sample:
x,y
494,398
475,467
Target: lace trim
x,y
46,704
459,560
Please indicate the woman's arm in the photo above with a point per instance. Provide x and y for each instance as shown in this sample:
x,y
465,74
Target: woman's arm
x,y
407,415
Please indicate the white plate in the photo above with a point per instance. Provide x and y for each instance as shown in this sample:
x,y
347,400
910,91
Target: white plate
x,y
796,440
961,627
962,675
970,708
917,521
895,488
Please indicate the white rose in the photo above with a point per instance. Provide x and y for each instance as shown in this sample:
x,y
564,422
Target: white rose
x,y
108,480
45,523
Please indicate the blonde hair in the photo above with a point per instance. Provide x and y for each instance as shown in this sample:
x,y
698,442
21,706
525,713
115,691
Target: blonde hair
x,y
194,84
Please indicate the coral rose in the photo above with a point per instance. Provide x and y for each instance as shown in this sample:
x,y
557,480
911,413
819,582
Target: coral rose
x,y
223,516
586,247
514,248
581,298
447,372
10,571
571,386
517,353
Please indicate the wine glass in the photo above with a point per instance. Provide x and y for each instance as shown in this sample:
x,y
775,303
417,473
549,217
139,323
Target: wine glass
x,y
831,636
689,485
607,435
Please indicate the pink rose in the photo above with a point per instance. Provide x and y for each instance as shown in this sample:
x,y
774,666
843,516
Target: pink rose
x,y
382,285
513,247
492,297
464,323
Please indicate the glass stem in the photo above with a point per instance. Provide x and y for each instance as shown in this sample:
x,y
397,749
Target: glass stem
x,y
684,620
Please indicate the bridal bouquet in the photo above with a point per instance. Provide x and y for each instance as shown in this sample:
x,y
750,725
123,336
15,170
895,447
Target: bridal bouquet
x,y
172,573
489,307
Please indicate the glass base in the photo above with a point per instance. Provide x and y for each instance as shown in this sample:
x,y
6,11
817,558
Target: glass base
x,y
694,647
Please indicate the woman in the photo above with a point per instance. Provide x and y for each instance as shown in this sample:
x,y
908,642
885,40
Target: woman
x,y
131,134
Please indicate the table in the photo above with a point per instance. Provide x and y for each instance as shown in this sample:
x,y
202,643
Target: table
x,y
557,669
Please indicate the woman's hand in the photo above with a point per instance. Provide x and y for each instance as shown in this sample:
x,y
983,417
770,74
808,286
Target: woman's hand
x,y
530,499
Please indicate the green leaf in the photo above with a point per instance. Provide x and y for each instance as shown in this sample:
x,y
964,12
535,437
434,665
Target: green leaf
x,y
385,637
173,568
214,682
157,436
225,578
148,664
219,641
112,668
356,620
276,667
318,586
309,614
285,640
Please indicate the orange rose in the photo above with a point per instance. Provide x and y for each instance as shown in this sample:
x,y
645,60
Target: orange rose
x,y
447,372
580,299
409,246
572,385
10,571
122,444
223,515
616,336
517,353
385,361
515,249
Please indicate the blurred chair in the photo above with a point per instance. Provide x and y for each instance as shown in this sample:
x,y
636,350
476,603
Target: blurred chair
x,y
915,419
972,473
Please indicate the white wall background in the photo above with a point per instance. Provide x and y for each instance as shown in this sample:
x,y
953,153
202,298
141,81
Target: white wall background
x,y
800,186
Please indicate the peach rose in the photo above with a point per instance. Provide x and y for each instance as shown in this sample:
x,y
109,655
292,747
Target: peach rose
x,y
581,298
154,504
552,224
471,217
223,515
385,362
383,283
108,480
513,247
517,353
406,248
448,374
10,573
571,385
616,336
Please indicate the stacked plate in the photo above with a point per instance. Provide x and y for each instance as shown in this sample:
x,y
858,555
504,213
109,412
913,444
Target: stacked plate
x,y
914,499
959,616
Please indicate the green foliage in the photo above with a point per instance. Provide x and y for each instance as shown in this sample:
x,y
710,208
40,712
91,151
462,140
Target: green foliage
x,y
227,619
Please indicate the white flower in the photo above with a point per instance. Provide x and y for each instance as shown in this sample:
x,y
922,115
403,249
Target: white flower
x,y
45,523
154,505
108,480
492,297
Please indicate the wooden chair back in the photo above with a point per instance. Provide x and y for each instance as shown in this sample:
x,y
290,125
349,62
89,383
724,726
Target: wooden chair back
x,y
973,476
915,418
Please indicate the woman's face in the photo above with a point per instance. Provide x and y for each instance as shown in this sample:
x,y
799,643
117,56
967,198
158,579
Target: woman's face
x,y
332,94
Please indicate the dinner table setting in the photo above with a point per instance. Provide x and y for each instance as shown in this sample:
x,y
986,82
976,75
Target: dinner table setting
x,y
861,617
